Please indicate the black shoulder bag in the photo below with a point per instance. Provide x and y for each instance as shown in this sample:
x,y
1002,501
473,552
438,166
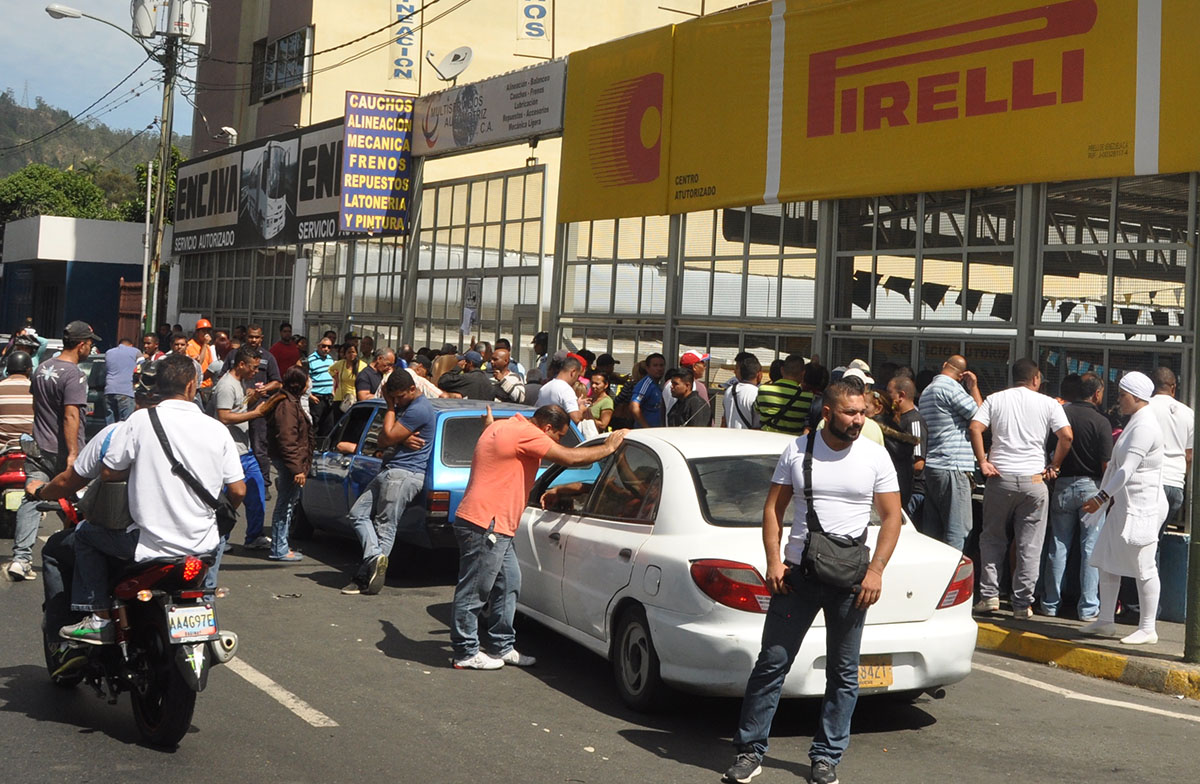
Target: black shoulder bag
x,y
837,560
226,514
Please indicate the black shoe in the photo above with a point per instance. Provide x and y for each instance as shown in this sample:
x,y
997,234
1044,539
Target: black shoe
x,y
353,589
823,772
744,768
376,569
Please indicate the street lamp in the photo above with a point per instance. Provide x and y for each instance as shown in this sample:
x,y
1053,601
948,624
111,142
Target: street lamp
x,y
169,60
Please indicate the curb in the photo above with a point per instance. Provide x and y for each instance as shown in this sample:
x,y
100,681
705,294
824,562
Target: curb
x,y
1154,675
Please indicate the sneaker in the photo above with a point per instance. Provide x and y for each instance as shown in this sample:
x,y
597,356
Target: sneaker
x,y
353,589
376,571
20,570
67,658
518,659
261,543
1089,618
1022,613
226,547
823,772
480,661
1098,628
1046,611
988,605
92,630
744,768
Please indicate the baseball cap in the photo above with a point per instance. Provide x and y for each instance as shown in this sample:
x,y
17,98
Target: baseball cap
x,y
422,360
541,337
80,330
859,364
692,357
607,359
580,359
474,357
203,324
855,372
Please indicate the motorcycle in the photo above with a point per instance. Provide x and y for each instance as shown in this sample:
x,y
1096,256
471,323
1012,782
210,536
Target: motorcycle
x,y
12,486
167,642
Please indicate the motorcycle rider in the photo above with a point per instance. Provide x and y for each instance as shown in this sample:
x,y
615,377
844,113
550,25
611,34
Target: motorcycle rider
x,y
58,554
170,520
16,401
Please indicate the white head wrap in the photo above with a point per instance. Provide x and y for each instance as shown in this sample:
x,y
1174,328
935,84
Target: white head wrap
x,y
1138,384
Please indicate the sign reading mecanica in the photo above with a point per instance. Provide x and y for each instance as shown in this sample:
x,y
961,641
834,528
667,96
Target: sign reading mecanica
x,y
376,164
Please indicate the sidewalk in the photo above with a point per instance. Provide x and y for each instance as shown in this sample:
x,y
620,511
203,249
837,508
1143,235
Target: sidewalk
x,y
1057,641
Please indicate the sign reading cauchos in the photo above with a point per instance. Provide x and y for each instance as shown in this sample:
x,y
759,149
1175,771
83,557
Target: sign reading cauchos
x,y
376,164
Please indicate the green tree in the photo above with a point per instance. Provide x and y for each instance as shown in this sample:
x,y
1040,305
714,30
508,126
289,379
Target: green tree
x,y
43,190
118,187
135,209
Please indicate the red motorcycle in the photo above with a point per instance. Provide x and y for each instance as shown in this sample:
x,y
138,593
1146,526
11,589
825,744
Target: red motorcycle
x,y
12,486
167,641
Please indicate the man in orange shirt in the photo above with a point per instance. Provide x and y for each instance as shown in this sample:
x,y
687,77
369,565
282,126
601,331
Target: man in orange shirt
x,y
486,521
200,349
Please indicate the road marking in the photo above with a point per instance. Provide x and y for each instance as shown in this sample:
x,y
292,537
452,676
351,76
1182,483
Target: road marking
x,y
1075,695
280,694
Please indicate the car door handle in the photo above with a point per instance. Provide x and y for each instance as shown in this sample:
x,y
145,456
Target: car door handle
x,y
554,537
625,554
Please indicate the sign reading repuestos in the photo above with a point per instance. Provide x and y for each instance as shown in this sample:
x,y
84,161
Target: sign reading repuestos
x,y
376,164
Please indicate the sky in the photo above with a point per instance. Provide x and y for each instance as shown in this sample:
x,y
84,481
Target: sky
x,y
72,62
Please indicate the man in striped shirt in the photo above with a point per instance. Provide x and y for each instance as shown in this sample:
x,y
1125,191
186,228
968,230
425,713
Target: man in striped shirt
x,y
783,405
16,401
947,406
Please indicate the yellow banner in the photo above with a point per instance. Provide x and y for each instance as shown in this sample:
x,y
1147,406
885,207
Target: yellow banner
x,y
616,129
805,99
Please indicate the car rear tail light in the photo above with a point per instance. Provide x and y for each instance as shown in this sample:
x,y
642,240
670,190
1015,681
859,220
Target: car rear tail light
x,y
732,584
439,502
961,585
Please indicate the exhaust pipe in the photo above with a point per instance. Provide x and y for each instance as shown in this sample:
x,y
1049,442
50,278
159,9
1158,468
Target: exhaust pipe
x,y
937,693
223,648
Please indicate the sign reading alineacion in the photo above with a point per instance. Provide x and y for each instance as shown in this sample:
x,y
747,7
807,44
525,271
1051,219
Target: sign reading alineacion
x,y
376,164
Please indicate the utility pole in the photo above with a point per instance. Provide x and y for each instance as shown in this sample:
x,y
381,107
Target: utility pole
x,y
1191,627
170,64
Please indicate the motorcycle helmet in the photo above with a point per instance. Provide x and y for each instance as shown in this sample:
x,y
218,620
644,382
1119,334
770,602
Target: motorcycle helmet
x,y
144,389
19,362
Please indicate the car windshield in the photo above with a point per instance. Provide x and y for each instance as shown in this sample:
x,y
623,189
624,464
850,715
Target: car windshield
x,y
732,490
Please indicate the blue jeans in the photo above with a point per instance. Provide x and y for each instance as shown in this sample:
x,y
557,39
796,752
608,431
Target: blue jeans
x,y
1070,494
58,563
789,618
29,519
94,546
488,575
287,494
947,513
256,498
916,502
120,408
377,511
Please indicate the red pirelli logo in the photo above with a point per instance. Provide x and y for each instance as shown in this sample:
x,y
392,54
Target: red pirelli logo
x,y
952,94
619,154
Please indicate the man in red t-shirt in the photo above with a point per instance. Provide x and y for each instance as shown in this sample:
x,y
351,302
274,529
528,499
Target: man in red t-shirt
x,y
285,350
486,521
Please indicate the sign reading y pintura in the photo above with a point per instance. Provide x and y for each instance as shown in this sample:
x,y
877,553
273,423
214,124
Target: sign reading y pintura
x,y
376,164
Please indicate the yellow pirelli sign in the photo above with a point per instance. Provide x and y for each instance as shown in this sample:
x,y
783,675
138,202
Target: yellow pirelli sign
x,y
803,99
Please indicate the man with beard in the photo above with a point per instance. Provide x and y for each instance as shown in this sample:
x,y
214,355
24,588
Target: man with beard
x,y
848,475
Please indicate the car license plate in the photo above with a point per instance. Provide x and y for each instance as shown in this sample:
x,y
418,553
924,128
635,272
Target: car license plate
x,y
13,499
875,672
192,624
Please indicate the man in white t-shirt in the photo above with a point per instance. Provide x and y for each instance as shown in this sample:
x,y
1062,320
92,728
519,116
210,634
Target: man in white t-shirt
x,y
1021,419
849,476
740,396
1178,423
560,391
170,520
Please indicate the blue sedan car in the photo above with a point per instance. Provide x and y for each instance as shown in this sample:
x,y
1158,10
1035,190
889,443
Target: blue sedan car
x,y
339,477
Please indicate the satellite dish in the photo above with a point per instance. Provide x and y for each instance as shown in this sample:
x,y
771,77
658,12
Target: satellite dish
x,y
452,65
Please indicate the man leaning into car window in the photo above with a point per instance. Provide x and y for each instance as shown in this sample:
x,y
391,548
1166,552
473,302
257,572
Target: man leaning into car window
x,y
487,518
848,475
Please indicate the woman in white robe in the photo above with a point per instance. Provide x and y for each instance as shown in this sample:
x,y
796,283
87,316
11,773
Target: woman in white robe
x,y
1136,505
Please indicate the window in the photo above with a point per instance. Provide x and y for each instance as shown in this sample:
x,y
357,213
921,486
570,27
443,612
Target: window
x,y
579,482
353,425
732,490
281,65
630,488
459,436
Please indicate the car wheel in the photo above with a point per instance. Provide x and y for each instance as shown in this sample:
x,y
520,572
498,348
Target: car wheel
x,y
301,529
635,663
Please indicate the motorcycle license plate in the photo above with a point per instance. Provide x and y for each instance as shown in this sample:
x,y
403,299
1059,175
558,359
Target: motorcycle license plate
x,y
13,499
875,672
192,624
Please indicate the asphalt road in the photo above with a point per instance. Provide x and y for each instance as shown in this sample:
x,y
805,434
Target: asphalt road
x,y
332,688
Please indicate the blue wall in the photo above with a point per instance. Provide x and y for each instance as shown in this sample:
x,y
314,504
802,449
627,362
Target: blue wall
x,y
94,296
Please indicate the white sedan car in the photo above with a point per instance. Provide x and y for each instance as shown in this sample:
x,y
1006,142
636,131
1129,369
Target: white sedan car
x,y
653,558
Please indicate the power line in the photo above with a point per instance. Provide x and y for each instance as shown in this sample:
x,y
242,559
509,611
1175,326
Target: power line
x,y
128,141
362,37
52,131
